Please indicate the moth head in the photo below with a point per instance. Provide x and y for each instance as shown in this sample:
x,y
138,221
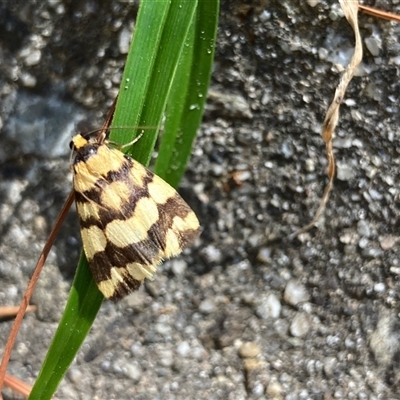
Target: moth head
x,y
82,148
78,142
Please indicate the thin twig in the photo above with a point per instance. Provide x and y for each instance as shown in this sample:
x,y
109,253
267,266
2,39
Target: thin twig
x,y
31,286
11,311
378,13
17,385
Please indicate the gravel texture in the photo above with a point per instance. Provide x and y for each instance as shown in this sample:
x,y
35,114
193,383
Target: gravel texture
x,y
247,313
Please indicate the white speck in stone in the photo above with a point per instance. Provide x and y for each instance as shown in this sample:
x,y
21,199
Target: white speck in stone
x,y
27,80
266,98
166,358
350,102
310,165
273,305
74,375
363,243
394,270
124,40
162,329
345,172
274,390
264,255
183,349
329,366
33,58
212,253
342,143
295,293
373,91
11,292
106,366
300,325
375,195
265,16
387,242
133,372
379,287
373,44
313,3
363,228
218,170
207,306
322,53
178,267
395,60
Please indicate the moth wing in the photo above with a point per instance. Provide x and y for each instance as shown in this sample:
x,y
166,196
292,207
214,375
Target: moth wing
x,y
130,221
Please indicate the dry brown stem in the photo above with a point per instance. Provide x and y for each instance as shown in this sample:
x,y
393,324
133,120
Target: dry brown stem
x,y
350,9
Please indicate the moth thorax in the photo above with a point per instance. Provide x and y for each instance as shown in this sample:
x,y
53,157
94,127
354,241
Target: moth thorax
x,y
84,153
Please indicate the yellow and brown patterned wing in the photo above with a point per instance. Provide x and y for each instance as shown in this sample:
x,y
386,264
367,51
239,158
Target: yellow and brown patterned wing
x,y
130,218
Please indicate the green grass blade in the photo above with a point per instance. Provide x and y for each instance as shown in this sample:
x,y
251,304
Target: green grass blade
x,y
186,102
83,303
159,68
161,29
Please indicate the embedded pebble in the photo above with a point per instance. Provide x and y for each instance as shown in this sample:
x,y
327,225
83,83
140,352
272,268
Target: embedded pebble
x,y
178,266
212,253
300,325
11,292
349,343
387,242
323,53
162,329
266,97
166,358
372,252
384,340
33,58
373,91
275,390
230,104
287,149
313,3
375,195
258,389
106,366
207,306
295,293
124,40
74,374
27,80
342,143
265,15
218,170
363,228
379,287
394,270
310,165
363,243
329,366
183,349
345,172
133,372
270,307
250,350
374,45
264,255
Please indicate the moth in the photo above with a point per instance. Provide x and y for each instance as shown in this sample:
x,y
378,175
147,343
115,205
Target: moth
x,y
130,219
